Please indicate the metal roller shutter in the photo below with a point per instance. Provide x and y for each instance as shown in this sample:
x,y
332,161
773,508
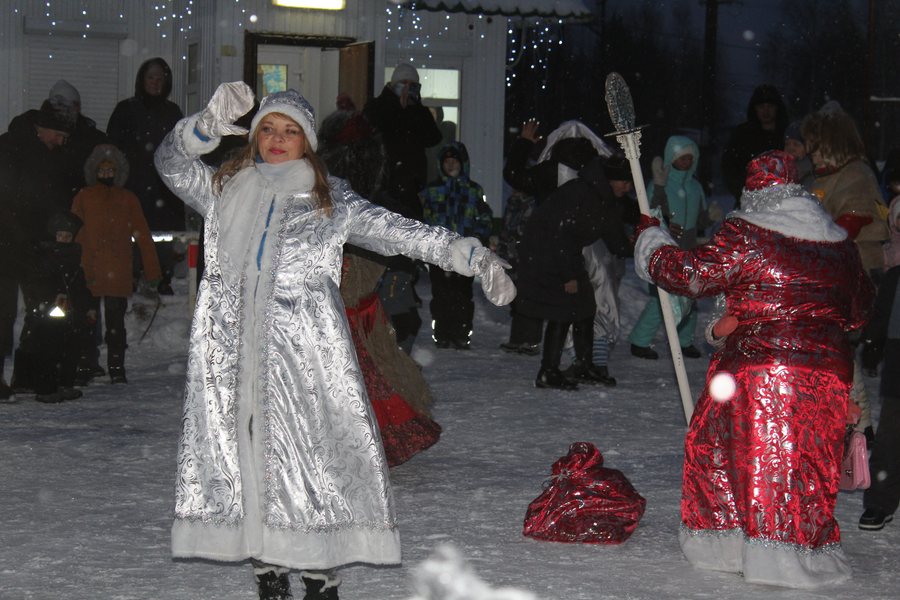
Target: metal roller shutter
x,y
91,65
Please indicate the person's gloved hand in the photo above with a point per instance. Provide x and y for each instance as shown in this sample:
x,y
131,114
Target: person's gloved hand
x,y
725,326
645,222
470,258
854,412
230,102
853,224
660,174
715,212
154,283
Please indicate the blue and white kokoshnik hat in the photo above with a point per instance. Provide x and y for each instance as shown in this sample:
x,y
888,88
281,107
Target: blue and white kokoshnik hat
x,y
292,104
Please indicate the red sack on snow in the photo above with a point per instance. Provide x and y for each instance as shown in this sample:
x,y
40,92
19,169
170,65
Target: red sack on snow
x,y
585,502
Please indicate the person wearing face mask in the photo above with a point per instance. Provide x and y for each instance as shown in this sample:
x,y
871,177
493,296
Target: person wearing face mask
x,y
33,186
408,128
456,202
137,126
112,216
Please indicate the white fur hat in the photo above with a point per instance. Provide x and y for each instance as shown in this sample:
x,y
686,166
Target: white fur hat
x,y
292,104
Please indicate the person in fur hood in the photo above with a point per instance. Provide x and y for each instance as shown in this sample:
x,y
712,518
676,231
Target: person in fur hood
x,y
112,216
762,454
280,459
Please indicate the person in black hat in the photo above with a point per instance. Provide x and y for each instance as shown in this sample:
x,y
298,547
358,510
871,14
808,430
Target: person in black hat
x,y
767,119
33,186
553,281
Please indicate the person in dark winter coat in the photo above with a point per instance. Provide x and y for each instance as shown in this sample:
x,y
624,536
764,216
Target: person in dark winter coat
x,y
83,140
569,148
553,282
883,496
137,126
33,186
456,202
542,179
51,343
767,119
408,128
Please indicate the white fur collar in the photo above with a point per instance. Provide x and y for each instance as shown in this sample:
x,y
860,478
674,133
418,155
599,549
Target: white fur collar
x,y
789,210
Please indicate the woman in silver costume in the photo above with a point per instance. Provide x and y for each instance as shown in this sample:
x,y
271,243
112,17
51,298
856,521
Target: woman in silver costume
x,y
280,459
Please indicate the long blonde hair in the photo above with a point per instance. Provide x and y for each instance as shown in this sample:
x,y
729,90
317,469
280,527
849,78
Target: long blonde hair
x,y
247,158
835,136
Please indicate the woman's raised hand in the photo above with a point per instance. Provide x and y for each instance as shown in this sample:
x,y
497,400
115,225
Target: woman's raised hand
x,y
230,102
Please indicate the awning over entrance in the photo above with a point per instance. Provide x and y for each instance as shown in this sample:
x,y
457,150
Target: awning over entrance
x,y
563,9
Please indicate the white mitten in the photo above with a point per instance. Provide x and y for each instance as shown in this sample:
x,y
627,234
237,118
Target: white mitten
x,y
470,258
461,251
228,104
660,175
491,269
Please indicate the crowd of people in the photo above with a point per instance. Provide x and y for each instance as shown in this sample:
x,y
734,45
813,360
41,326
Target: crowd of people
x,y
307,311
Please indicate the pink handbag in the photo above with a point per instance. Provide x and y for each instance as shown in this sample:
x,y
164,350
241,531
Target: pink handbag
x,y
855,466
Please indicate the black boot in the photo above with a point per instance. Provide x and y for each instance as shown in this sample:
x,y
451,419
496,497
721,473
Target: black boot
x,y
24,373
116,364
273,586
87,371
6,394
589,374
553,379
320,587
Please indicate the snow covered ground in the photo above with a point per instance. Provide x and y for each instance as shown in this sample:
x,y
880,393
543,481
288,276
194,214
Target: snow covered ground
x,y
88,485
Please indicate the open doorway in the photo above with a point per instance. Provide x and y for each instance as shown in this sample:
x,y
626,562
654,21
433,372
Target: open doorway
x,y
318,67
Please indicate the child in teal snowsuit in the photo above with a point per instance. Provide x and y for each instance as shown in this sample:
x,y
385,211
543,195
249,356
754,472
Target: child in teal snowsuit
x,y
683,203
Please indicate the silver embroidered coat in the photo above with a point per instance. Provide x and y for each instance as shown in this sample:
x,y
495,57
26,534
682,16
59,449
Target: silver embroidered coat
x,y
280,456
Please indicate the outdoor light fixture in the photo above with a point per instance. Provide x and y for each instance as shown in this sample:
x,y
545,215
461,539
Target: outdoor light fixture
x,y
322,4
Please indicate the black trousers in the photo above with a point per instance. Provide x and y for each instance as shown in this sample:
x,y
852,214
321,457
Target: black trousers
x,y
114,318
884,463
452,307
9,305
555,340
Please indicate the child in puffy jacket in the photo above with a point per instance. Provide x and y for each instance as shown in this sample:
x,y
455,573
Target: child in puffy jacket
x,y
112,217
48,354
456,202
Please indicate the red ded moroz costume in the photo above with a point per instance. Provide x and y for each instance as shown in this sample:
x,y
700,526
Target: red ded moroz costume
x,y
761,468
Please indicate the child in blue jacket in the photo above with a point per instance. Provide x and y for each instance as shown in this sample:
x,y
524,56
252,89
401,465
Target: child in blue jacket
x,y
456,202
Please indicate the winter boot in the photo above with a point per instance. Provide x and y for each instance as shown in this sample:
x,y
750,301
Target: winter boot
x,y
530,349
589,374
116,364
273,586
87,371
510,347
69,393
553,379
690,351
644,352
320,586
24,373
6,394
54,398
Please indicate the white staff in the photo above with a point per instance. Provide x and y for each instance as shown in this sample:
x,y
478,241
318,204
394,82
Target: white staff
x,y
621,110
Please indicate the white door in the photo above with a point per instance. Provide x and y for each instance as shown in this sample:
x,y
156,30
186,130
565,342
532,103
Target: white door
x,y
310,70
91,65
